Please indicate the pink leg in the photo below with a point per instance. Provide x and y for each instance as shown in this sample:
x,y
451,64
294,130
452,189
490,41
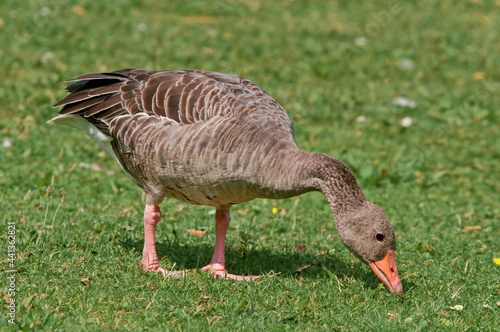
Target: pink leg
x,y
149,260
217,265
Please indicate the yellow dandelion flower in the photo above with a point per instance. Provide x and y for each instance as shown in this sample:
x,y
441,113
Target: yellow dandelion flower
x,y
275,210
496,261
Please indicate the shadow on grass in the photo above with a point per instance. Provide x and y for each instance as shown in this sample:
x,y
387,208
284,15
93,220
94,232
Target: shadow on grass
x,y
258,261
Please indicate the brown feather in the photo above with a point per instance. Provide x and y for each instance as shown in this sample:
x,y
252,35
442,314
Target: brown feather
x,y
79,106
107,89
110,101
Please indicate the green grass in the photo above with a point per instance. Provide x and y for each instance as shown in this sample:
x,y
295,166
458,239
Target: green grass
x,y
437,180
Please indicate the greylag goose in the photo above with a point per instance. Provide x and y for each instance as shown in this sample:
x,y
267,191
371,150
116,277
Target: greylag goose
x,y
216,139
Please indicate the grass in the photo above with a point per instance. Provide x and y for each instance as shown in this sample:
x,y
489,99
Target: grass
x,y
336,67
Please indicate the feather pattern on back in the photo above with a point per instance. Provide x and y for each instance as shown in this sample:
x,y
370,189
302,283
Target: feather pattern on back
x,y
197,136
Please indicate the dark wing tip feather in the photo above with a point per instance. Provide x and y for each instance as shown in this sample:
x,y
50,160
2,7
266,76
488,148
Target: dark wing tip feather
x,y
93,94
75,86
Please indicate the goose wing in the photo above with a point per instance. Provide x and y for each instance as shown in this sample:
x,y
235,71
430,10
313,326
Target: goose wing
x,y
177,96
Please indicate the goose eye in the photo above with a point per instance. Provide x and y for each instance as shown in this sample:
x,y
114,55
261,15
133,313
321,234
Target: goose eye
x,y
380,237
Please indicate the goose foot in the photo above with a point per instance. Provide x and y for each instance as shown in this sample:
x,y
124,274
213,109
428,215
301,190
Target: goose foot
x,y
172,274
218,271
166,273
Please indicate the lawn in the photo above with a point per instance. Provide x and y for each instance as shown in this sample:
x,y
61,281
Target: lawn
x,y
407,94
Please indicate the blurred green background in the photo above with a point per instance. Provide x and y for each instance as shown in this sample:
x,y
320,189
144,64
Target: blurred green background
x,y
406,93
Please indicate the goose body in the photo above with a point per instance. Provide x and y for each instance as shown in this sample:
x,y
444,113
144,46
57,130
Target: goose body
x,y
216,139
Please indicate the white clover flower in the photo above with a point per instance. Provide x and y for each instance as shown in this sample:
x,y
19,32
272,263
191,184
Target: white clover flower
x,y
405,64
406,121
404,102
361,41
361,118
6,143
458,307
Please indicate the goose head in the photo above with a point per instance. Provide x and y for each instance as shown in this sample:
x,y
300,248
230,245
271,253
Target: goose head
x,y
368,234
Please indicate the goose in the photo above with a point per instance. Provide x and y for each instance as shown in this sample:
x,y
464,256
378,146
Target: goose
x,y
215,139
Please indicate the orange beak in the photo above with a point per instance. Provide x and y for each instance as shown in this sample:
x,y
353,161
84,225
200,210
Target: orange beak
x,y
387,270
